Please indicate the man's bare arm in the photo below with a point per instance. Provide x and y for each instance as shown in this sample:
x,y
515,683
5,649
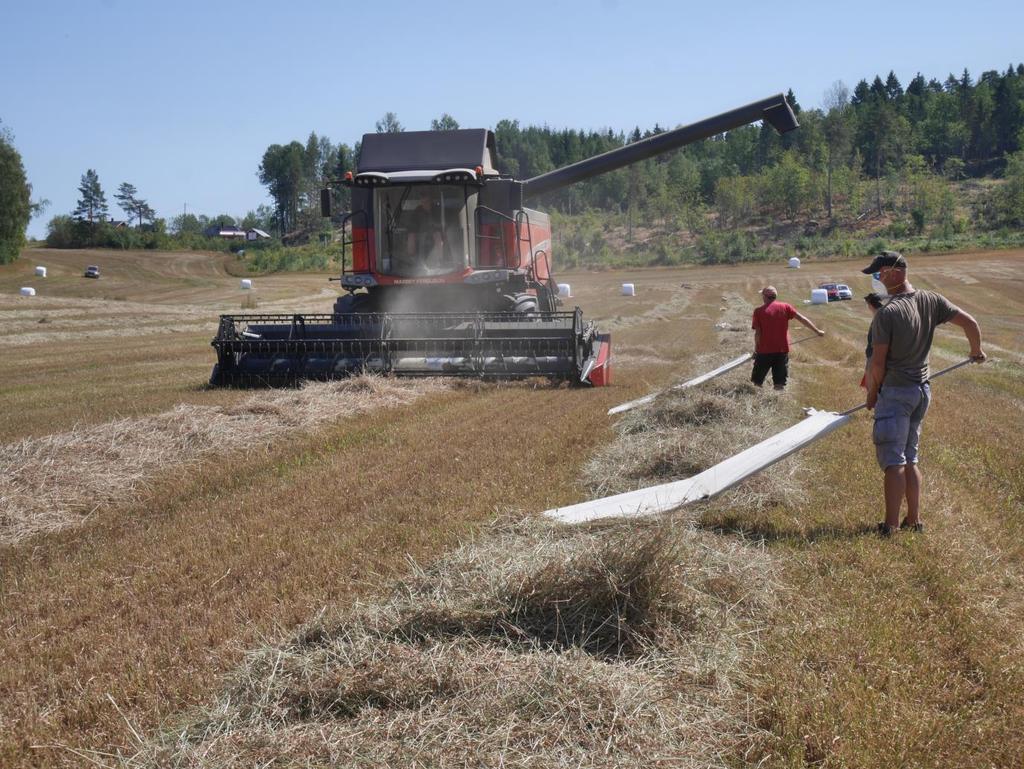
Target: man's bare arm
x,y
876,372
972,331
807,322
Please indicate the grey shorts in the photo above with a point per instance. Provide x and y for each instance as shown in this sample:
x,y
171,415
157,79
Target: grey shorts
x,y
898,415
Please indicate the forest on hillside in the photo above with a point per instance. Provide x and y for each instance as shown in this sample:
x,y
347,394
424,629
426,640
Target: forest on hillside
x,y
937,160
935,164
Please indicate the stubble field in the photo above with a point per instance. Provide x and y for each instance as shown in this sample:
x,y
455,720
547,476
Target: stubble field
x,y
159,542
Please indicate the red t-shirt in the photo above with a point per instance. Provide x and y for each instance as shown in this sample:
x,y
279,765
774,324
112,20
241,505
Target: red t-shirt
x,y
773,320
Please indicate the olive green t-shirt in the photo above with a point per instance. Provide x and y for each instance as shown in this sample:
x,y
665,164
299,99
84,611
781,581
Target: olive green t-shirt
x,y
907,324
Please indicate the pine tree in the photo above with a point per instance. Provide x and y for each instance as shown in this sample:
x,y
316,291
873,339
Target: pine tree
x,y
389,124
444,123
793,103
127,198
92,206
861,93
878,89
893,89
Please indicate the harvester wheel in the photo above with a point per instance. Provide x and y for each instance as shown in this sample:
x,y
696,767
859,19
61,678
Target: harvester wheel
x,y
524,304
352,303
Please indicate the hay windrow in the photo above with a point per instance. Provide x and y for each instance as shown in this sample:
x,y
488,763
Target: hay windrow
x,y
684,432
529,647
56,481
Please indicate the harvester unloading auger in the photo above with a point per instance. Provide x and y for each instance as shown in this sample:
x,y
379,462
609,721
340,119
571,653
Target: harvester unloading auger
x,y
450,274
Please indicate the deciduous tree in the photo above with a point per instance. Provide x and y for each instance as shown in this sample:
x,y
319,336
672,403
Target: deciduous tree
x,y
15,200
282,172
838,130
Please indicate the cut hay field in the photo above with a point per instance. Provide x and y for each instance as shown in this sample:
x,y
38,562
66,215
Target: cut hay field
x,y
354,574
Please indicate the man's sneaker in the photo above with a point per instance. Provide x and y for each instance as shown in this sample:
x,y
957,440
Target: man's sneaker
x,y
917,528
886,531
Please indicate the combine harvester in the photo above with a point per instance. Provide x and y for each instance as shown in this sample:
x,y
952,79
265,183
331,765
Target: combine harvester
x,y
450,272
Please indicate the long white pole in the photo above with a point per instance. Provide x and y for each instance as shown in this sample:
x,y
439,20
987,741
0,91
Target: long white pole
x,y
693,382
718,478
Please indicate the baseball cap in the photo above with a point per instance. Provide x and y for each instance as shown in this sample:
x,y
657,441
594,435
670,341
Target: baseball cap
x,y
886,259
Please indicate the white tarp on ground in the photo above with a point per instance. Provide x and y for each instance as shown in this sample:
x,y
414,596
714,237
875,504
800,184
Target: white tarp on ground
x,y
709,483
690,383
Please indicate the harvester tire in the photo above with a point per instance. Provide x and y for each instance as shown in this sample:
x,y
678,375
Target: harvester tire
x,y
524,304
352,303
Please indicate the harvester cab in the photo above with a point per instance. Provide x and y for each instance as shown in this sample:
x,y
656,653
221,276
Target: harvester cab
x,y
445,270
435,228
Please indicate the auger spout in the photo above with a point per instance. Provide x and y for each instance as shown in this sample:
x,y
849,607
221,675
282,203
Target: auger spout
x,y
774,109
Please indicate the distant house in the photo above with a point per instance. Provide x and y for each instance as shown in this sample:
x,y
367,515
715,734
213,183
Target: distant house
x,y
254,234
224,231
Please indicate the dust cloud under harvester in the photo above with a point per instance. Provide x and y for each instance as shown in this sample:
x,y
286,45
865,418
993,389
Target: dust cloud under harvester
x,y
445,270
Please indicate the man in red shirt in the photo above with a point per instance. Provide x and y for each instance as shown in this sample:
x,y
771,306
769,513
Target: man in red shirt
x,y
771,338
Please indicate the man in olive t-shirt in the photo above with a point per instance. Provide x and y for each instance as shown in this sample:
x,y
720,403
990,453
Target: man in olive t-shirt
x,y
898,391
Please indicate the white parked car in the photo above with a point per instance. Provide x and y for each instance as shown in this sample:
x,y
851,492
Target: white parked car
x,y
844,291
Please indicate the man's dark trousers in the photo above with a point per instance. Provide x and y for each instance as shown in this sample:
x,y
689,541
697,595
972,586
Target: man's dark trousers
x,y
777,362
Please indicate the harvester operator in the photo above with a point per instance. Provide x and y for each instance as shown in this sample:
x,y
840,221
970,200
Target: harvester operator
x,y
897,383
425,235
771,338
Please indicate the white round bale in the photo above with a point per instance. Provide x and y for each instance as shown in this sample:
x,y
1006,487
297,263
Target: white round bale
x,y
564,289
819,296
794,263
28,291
628,289
41,272
246,283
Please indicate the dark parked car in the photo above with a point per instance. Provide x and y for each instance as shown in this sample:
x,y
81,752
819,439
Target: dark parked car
x,y
92,271
833,291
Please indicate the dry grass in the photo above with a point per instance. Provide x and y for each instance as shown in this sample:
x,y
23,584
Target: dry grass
x,y
587,649
154,599
596,648
905,652
47,484
684,432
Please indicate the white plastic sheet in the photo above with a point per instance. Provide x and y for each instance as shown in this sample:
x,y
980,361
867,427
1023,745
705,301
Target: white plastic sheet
x,y
689,383
713,481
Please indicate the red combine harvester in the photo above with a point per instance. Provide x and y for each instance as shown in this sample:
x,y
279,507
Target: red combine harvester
x,y
450,273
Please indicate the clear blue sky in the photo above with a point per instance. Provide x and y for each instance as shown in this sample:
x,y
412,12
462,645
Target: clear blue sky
x,y
181,99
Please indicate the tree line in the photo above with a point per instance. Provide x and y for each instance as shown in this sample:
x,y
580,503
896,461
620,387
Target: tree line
x,y
90,223
879,148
